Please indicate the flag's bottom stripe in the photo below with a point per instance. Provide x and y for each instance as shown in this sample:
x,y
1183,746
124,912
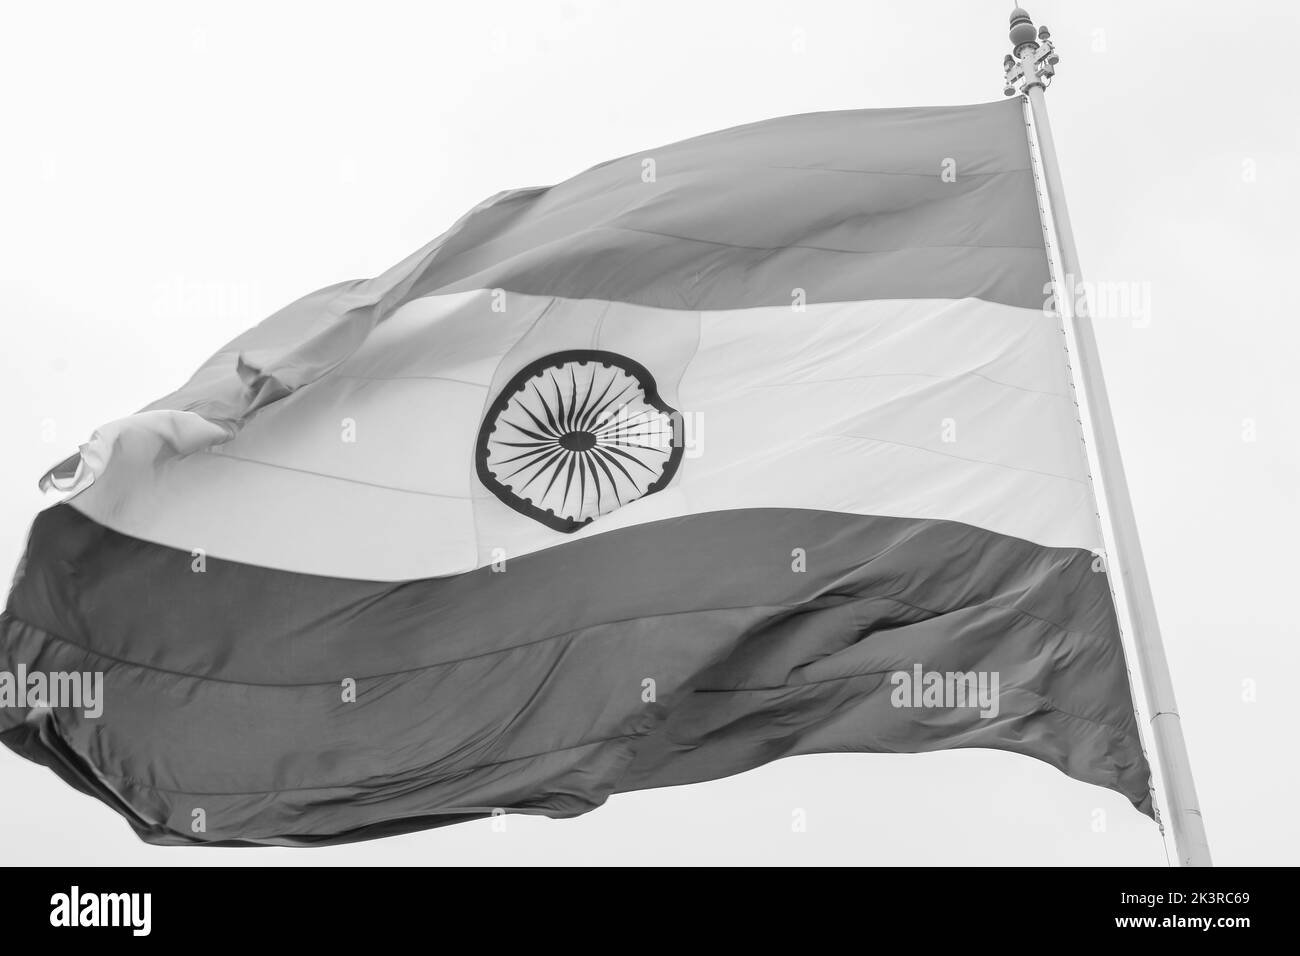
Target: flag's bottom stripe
x,y
247,705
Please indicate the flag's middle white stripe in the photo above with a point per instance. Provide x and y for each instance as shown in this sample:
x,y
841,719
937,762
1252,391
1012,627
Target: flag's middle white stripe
x,y
944,409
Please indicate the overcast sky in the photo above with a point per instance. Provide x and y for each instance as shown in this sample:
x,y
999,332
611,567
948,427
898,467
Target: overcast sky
x,y
174,172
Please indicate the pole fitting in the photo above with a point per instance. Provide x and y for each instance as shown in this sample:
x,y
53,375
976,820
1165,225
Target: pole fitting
x,y
1033,59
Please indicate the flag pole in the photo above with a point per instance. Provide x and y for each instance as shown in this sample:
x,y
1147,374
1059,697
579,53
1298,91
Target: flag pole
x,y
1029,69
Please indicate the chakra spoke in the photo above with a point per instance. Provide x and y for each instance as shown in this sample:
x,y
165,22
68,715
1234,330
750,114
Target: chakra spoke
x,y
591,385
555,473
573,407
536,420
610,475
568,482
626,423
527,454
659,436
632,444
559,403
615,462
540,463
629,457
609,402
595,480
527,432
546,408
587,421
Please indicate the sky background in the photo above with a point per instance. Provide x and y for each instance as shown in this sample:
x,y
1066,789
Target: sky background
x,y
172,173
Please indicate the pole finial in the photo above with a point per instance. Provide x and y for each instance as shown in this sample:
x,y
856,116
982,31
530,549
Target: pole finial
x,y
1031,62
1022,28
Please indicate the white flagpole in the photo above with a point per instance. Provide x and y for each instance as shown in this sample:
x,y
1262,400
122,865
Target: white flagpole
x,y
1028,71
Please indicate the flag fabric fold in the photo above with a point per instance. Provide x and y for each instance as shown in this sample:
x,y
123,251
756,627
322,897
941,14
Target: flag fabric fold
x,y
754,445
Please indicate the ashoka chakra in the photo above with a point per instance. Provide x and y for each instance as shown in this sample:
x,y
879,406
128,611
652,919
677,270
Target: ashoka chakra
x,y
576,435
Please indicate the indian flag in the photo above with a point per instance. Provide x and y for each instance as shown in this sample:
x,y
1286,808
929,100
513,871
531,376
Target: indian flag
x,y
758,444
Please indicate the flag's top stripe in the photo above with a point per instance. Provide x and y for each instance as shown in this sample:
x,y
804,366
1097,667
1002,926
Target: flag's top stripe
x,y
853,205
820,208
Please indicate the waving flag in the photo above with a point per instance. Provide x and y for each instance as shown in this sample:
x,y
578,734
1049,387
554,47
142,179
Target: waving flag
x,y
754,445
